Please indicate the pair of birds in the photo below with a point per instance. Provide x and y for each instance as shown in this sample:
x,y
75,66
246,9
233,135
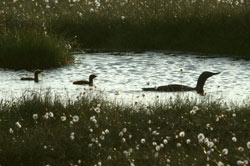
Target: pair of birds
x,y
167,88
79,82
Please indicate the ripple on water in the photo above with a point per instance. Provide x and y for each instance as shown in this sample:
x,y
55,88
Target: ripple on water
x,y
129,72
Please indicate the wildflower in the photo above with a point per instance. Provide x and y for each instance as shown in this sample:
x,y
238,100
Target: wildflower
x,y
154,143
157,148
121,134
210,144
75,118
63,118
51,114
156,155
18,125
201,137
97,110
11,131
109,157
239,162
155,133
165,141
132,164
124,130
178,145
35,116
46,115
234,139
99,163
72,136
188,141
143,140
225,151
195,108
90,145
192,112
92,118
182,134
248,144
220,163
241,149
106,131
123,140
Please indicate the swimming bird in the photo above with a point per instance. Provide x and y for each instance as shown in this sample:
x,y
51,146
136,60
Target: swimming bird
x,y
178,88
85,82
35,78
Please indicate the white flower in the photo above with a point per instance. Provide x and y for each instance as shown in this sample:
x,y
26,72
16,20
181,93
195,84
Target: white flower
x,y
18,125
75,118
234,139
72,136
225,151
201,137
11,131
124,130
178,145
165,141
188,141
121,134
158,147
35,116
51,114
63,118
143,140
106,131
248,144
182,134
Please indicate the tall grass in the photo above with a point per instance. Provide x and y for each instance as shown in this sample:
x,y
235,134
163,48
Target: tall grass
x,y
214,26
42,130
32,50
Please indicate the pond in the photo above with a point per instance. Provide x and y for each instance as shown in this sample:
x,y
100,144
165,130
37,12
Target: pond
x,y
122,75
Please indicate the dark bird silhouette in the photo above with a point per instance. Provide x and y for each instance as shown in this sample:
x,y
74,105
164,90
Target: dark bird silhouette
x,y
178,88
85,82
35,78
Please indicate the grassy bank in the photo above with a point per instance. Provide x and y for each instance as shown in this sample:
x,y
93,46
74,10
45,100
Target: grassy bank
x,y
39,130
216,27
32,50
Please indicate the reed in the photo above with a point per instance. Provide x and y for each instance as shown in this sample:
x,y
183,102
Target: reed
x,y
44,130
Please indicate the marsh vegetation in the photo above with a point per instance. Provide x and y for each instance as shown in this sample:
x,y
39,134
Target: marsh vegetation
x,y
215,27
43,130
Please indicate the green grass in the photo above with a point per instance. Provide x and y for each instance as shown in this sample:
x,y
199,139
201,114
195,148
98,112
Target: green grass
x,y
38,130
214,27
32,50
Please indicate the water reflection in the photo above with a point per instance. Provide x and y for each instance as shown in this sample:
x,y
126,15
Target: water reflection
x,y
128,73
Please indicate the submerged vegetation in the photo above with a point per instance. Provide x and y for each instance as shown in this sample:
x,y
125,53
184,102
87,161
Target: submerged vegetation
x,y
43,130
215,26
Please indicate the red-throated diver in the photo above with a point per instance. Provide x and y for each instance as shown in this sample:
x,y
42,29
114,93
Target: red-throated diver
x,y
178,88
35,78
85,82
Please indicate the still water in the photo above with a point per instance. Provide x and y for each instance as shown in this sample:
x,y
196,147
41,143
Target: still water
x,y
122,75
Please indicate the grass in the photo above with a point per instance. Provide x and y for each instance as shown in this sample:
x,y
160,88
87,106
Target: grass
x,y
214,27
32,50
44,130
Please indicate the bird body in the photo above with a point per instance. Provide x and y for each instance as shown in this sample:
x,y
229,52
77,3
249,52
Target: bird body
x,y
85,82
35,78
178,88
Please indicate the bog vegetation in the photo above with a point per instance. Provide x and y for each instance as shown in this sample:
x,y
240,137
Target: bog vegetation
x,y
214,26
43,130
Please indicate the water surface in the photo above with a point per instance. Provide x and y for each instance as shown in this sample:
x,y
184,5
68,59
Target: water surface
x,y
122,75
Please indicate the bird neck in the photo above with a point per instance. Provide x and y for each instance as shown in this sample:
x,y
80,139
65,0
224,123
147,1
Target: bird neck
x,y
200,84
36,77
